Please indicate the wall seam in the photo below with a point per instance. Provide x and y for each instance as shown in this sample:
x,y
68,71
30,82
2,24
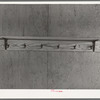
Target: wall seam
x,y
47,36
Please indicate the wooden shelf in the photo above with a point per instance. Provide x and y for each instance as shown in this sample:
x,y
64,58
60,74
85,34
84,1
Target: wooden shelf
x,y
49,44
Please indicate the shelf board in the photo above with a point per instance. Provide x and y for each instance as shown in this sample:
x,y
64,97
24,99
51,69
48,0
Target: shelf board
x,y
49,43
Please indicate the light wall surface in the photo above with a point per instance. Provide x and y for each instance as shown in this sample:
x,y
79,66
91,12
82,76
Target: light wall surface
x,y
50,70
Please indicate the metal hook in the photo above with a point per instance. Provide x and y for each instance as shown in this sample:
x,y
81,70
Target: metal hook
x,y
84,46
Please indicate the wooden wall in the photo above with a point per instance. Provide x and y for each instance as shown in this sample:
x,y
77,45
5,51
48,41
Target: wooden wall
x,y
42,70
23,69
74,70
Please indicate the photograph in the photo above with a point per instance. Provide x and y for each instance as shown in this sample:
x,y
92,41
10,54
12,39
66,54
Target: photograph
x,y
49,46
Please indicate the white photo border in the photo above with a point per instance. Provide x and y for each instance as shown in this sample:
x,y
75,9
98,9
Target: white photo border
x,y
49,93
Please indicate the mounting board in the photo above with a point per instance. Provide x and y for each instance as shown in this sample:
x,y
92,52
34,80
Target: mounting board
x,y
49,44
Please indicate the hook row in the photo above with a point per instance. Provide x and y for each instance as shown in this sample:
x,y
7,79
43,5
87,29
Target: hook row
x,y
11,44
49,45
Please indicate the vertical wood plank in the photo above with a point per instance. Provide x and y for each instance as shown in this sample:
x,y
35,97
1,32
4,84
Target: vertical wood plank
x,y
1,7
23,69
74,20
74,70
11,20
61,20
26,20
35,20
